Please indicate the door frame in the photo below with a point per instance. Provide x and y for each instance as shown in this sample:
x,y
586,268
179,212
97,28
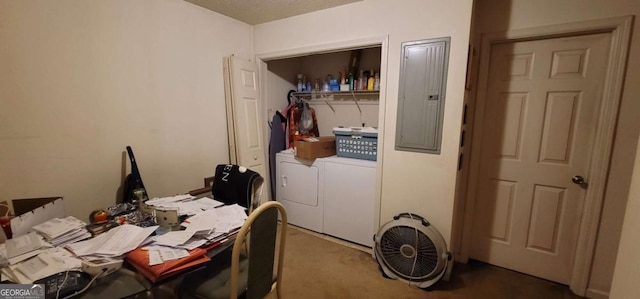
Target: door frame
x,y
620,30
383,42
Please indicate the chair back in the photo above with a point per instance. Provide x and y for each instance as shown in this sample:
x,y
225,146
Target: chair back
x,y
262,229
236,184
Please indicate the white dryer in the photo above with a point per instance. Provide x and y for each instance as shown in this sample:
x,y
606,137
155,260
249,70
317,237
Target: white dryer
x,y
299,189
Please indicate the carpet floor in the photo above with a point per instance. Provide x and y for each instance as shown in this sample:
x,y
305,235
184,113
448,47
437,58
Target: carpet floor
x,y
317,267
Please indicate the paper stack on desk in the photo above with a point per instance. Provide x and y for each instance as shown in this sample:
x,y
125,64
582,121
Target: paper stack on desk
x,y
185,204
206,227
62,231
23,247
217,224
222,220
47,262
116,242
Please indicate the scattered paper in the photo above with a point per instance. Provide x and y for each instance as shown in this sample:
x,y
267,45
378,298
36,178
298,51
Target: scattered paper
x,y
115,242
23,244
170,254
224,219
164,200
161,254
17,259
208,203
184,204
125,238
154,258
46,263
193,244
174,238
31,267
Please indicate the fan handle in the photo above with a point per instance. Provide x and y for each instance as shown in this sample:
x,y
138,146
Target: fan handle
x,y
412,216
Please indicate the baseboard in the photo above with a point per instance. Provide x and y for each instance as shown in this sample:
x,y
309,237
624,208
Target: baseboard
x,y
596,294
333,239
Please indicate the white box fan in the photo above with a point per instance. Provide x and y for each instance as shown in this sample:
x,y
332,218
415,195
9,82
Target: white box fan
x,y
410,249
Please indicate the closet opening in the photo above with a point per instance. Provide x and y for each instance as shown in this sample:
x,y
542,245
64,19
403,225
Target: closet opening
x,y
337,195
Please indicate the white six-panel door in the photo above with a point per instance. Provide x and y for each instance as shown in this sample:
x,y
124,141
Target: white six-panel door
x,y
244,112
541,111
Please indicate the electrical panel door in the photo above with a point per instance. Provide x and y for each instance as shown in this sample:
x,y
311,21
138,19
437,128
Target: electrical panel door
x,y
423,73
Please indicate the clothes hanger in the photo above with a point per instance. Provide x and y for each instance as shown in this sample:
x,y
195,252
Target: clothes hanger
x,y
289,95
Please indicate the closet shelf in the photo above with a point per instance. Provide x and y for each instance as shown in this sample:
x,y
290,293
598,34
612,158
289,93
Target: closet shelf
x,y
357,97
364,95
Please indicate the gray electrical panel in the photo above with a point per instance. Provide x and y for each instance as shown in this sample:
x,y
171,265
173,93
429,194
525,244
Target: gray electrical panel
x,y
423,79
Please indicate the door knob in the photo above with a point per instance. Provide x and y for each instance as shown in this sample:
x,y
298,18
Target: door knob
x,y
579,180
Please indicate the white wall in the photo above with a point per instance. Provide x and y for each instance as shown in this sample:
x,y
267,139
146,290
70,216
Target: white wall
x,y
280,80
80,80
502,15
625,276
411,182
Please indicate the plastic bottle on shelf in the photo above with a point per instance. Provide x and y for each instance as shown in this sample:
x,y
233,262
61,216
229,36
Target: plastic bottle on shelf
x,y
325,86
351,85
370,81
376,82
356,81
300,83
305,84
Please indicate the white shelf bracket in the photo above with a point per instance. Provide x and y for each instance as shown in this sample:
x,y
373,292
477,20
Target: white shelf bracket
x,y
355,100
330,106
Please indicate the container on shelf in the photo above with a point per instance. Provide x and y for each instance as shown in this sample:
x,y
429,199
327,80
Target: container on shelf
x,y
357,142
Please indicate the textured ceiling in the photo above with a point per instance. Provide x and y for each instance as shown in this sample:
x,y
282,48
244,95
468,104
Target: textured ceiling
x,y
260,11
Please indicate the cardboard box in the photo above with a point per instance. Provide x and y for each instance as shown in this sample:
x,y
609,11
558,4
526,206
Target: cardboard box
x,y
316,147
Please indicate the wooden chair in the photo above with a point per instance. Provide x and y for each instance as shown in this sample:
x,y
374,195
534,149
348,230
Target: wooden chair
x,y
251,275
208,182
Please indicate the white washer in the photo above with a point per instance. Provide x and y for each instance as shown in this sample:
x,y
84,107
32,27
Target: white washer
x,y
349,199
299,189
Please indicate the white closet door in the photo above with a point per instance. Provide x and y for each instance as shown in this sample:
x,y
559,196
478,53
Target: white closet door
x,y
244,116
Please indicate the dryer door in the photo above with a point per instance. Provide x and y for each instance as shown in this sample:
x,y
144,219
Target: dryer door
x,y
297,190
298,183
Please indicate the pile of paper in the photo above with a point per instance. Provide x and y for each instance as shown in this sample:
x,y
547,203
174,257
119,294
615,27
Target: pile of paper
x,y
47,262
205,227
62,231
217,223
184,204
23,247
28,258
115,242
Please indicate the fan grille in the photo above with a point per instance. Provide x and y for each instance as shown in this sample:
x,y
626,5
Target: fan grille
x,y
406,256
